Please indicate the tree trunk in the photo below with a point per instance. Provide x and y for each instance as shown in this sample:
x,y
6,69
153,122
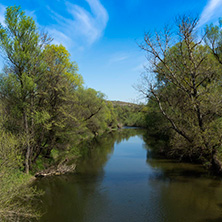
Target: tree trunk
x,y
28,148
27,158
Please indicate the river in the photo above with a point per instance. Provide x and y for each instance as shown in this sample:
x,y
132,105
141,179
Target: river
x,y
118,180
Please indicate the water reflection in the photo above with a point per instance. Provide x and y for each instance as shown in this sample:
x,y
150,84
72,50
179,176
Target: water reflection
x,y
186,191
68,197
119,179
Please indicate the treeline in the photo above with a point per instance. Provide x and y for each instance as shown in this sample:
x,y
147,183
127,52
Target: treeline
x,y
44,108
130,114
183,84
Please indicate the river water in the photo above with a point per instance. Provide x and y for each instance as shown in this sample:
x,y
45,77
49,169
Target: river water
x,y
118,180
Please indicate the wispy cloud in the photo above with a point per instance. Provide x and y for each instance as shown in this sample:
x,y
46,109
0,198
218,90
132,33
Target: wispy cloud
x,y
59,37
213,10
82,27
118,57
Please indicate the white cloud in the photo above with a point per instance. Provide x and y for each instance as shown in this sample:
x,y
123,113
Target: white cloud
x,y
82,27
212,11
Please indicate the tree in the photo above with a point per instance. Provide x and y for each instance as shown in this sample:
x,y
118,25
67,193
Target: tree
x,y
186,89
214,40
42,94
57,99
93,110
21,45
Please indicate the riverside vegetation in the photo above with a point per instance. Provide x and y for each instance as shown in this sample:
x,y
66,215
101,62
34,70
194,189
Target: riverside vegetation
x,y
183,84
45,111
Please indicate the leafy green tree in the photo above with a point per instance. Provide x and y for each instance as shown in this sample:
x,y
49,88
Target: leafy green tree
x,y
42,94
57,100
21,45
187,90
111,116
213,39
94,110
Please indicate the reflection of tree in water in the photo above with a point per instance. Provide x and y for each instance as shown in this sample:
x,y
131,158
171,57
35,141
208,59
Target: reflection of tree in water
x,y
125,134
169,168
96,153
185,191
157,145
69,197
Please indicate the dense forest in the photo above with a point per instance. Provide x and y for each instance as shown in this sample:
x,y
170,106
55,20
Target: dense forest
x,y
46,112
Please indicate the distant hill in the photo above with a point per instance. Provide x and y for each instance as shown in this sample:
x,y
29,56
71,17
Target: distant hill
x,y
120,103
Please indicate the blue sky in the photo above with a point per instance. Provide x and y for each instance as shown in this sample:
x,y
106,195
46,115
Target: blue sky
x,y
102,35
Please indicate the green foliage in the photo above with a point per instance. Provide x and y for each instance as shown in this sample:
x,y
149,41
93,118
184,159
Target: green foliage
x,y
96,113
16,198
22,47
130,115
185,106
156,124
42,94
44,103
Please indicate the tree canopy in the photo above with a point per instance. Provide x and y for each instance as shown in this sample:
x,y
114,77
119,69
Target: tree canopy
x,y
187,89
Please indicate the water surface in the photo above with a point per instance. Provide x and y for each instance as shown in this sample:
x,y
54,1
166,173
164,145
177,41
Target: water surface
x,y
118,180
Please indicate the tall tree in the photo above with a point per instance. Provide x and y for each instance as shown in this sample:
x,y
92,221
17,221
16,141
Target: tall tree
x,y
21,45
186,89
44,100
57,99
